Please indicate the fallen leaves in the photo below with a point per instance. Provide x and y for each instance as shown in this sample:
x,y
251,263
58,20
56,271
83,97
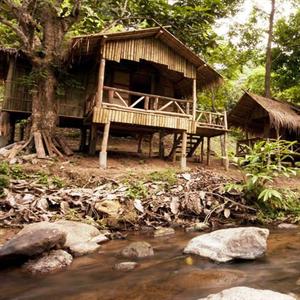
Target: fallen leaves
x,y
197,198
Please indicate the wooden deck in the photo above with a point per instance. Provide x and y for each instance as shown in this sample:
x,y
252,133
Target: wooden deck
x,y
158,112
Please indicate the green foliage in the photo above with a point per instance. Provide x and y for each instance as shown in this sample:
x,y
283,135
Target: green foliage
x,y
260,167
168,176
136,190
286,55
46,179
12,171
4,183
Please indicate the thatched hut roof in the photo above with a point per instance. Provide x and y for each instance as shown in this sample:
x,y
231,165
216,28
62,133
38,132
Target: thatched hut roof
x,y
252,110
90,46
5,54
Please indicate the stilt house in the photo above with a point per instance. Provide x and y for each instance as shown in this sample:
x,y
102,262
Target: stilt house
x,y
142,81
263,118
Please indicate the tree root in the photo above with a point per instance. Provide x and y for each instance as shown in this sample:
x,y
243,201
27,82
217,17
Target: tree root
x,y
41,143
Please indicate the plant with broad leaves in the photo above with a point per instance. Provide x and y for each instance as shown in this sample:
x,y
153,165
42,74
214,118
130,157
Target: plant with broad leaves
x,y
266,161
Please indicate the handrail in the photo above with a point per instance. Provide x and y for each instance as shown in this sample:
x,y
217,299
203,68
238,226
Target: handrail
x,y
148,102
213,119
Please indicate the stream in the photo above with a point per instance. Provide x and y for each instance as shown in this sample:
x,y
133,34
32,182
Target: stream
x,y
167,275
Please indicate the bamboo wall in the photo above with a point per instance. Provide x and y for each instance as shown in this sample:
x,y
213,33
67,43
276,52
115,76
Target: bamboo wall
x,y
149,49
106,114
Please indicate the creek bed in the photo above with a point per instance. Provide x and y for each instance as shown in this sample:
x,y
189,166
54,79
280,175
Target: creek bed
x,y
169,275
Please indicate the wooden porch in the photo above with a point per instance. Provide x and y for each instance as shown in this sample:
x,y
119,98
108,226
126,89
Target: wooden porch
x,y
154,113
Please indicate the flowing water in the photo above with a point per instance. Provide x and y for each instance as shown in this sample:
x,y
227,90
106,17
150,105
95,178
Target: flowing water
x,y
167,275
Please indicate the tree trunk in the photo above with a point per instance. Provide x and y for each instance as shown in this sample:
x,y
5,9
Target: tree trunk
x,y
269,52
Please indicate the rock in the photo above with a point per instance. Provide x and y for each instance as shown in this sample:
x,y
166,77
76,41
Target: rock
x,y
80,249
163,231
75,235
53,261
287,226
227,244
30,242
245,293
126,266
78,234
138,249
110,207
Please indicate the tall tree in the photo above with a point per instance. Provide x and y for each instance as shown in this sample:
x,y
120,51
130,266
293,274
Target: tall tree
x,y
41,26
269,51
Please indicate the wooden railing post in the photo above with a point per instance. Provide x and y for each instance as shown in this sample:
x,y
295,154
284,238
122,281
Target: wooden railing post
x,y
194,98
110,96
146,103
155,106
188,108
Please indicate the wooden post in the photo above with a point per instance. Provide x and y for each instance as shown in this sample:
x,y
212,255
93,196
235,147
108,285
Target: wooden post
x,y
82,139
202,151
194,98
139,150
103,152
9,78
183,151
208,151
161,145
146,103
110,96
151,145
93,139
99,96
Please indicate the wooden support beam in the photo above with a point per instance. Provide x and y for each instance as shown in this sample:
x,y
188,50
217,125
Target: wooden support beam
x,y
83,134
161,145
202,151
9,78
99,95
151,145
194,98
183,151
208,151
93,139
140,141
225,159
103,152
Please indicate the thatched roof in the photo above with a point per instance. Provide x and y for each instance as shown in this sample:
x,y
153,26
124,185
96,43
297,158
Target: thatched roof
x,y
252,110
90,45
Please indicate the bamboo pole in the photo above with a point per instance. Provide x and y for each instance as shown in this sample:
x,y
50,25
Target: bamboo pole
x,y
151,145
226,160
103,152
208,151
194,98
101,74
161,145
183,151
139,150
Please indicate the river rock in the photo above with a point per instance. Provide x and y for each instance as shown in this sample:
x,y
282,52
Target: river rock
x,y
126,266
228,244
138,249
31,241
77,234
287,226
245,293
163,231
51,262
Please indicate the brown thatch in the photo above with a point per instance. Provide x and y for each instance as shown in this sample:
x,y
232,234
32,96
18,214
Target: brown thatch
x,y
89,47
252,111
5,54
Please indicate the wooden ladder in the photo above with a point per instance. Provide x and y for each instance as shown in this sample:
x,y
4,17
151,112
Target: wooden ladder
x,y
194,141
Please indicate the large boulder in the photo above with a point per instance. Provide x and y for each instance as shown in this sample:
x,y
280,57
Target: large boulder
x,y
138,250
51,262
245,293
31,242
36,238
228,244
81,238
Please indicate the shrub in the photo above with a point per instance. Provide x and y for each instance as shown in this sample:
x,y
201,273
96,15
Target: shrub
x,y
266,161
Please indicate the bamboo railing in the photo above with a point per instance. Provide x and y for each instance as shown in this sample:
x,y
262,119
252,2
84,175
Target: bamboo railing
x,y
148,102
211,119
